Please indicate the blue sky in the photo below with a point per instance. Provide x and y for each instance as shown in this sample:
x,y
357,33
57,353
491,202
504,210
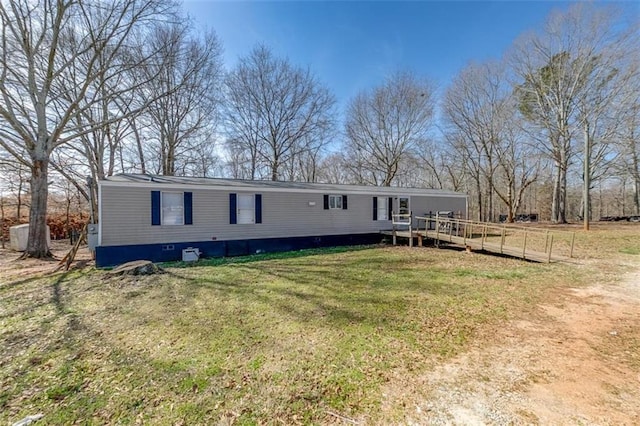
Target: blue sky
x,y
351,46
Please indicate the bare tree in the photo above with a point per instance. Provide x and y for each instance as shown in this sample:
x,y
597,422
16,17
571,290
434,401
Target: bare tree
x,y
275,111
14,181
48,48
242,159
331,169
386,124
481,112
519,163
608,87
554,67
185,79
629,131
474,109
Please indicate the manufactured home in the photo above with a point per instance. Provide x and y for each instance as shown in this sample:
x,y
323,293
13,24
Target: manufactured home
x,y
156,217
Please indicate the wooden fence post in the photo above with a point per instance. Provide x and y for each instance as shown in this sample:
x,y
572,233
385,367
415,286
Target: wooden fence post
x,y
484,235
546,241
573,238
394,227
410,229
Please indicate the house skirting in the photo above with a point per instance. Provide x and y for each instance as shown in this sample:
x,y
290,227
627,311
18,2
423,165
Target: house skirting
x,y
167,252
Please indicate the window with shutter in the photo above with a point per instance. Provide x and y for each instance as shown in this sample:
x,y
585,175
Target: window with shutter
x,y
246,208
172,208
335,202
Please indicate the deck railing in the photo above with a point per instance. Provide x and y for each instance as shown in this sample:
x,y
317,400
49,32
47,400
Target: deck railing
x,y
504,237
402,220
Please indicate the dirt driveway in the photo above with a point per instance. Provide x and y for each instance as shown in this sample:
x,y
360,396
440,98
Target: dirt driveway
x,y
576,362
11,267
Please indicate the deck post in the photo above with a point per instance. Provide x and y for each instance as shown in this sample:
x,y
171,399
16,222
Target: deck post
x,y
410,229
502,235
524,246
394,234
550,249
573,239
484,235
451,230
410,236
546,241
437,232
464,235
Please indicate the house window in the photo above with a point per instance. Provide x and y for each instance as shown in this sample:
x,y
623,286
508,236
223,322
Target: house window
x,y
172,208
403,205
246,208
335,201
382,208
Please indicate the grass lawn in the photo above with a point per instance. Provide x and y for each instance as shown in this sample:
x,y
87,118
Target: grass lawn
x,y
305,337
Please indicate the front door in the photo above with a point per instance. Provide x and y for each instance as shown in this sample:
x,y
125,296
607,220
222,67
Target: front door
x,y
403,205
403,208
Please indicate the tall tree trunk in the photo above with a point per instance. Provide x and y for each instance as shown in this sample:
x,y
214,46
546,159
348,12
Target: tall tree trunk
x,y
559,200
19,205
169,167
489,217
636,180
510,204
275,165
562,195
636,194
138,138
555,197
587,178
479,191
37,244
2,220
68,214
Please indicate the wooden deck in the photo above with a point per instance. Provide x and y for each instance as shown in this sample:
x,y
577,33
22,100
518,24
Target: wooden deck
x,y
533,244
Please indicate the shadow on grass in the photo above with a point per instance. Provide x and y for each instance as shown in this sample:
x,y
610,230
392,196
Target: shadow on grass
x,y
218,261
11,285
43,328
328,292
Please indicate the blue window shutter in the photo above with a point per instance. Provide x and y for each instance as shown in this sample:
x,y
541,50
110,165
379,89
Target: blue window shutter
x,y
375,208
155,207
258,206
390,209
326,202
344,202
233,209
188,208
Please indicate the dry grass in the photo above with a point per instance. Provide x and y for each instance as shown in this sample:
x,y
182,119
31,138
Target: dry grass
x,y
300,338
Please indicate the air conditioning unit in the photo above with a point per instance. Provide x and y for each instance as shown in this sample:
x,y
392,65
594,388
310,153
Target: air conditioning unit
x,y
190,254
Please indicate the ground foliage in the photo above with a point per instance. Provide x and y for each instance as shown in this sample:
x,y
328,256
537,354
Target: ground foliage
x,y
59,225
305,337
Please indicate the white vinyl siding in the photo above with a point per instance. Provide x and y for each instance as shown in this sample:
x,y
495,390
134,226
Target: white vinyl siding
x,y
246,208
172,208
126,216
